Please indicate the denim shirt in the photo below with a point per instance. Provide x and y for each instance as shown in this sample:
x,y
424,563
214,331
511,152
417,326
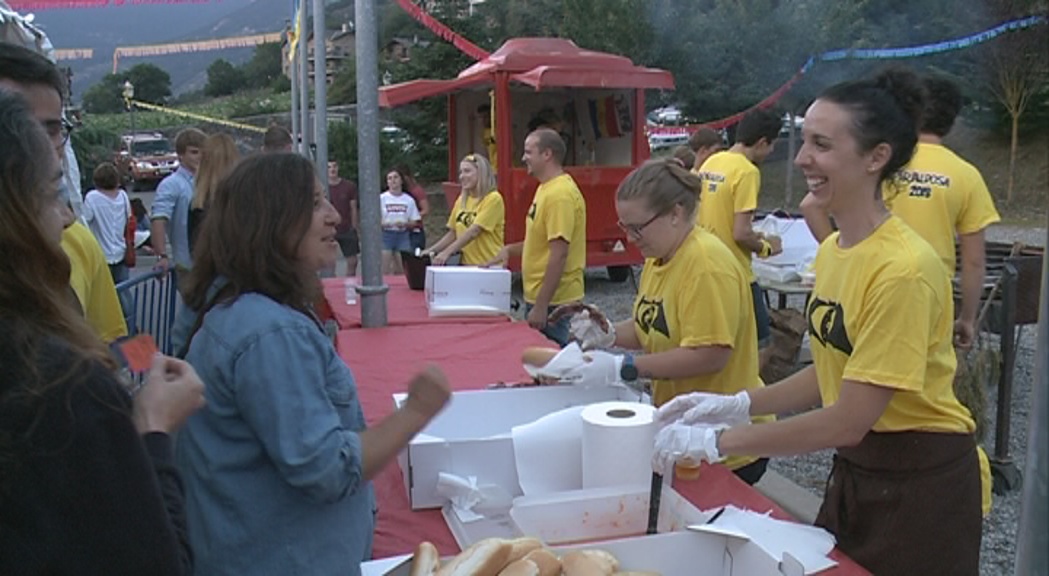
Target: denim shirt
x,y
174,195
273,464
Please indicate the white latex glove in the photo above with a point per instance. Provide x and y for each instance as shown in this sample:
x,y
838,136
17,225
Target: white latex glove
x,y
587,325
591,333
678,442
602,370
702,408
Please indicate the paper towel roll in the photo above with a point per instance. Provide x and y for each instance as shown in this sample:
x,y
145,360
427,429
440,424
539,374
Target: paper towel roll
x,y
617,444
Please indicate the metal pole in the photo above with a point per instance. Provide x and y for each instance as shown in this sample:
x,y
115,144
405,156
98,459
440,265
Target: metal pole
x,y
791,139
372,288
1032,545
293,73
320,93
304,80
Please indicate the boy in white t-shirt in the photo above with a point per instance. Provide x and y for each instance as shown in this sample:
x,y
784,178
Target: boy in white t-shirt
x,y
106,212
399,214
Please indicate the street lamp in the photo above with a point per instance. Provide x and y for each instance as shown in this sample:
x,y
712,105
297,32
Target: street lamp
x,y
129,93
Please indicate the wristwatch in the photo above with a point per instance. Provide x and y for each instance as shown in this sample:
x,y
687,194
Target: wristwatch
x,y
628,372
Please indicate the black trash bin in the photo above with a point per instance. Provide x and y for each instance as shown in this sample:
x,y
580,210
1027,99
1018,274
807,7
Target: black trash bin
x,y
415,269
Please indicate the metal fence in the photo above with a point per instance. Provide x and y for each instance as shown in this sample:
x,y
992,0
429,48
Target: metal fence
x,y
149,300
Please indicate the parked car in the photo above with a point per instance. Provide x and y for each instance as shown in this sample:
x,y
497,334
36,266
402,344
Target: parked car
x,y
144,159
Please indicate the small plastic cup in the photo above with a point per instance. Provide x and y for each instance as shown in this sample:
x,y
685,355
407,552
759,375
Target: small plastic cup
x,y
350,284
686,470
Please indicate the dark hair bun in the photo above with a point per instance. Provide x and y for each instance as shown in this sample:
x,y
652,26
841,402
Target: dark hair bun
x,y
906,88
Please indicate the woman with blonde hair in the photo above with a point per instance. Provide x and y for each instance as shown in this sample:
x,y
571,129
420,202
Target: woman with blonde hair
x,y
217,160
478,217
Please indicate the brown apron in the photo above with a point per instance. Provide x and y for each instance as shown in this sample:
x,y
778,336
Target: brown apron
x,y
907,503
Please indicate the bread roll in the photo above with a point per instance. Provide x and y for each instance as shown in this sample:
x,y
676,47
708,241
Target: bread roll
x,y
520,567
538,356
548,563
426,560
589,563
522,546
484,558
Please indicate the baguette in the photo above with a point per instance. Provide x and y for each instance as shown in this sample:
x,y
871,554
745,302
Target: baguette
x,y
522,546
589,563
485,558
547,562
538,356
521,567
426,560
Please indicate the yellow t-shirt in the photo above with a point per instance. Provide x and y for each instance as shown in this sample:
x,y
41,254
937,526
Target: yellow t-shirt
x,y
940,194
558,211
730,184
489,214
92,282
701,297
881,313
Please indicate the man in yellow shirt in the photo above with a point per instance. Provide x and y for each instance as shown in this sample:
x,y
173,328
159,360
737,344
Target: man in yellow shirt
x,y
703,143
730,181
93,284
553,254
39,81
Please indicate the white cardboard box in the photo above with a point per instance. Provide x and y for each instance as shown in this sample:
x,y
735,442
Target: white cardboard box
x,y
471,436
467,291
705,551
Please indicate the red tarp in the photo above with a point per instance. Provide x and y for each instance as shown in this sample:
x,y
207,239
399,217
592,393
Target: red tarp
x,y
404,306
473,356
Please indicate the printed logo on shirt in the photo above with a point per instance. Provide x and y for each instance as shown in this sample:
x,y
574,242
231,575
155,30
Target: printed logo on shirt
x,y
466,218
920,191
827,325
397,208
649,315
930,178
531,212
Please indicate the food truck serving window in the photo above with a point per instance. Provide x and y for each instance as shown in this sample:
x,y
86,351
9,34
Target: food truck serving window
x,y
596,124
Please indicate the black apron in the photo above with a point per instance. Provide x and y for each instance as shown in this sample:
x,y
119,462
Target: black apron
x,y
907,503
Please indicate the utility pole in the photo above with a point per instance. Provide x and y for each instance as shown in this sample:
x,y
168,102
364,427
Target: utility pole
x,y
320,93
293,73
1032,546
373,289
304,80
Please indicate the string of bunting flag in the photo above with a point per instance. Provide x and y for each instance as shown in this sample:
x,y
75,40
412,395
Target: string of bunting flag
x,y
39,5
860,54
195,46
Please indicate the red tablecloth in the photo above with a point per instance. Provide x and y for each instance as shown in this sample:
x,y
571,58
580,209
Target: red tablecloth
x,y
473,356
404,306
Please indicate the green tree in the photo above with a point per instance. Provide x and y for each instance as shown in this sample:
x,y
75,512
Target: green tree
x,y
152,83
92,146
1015,71
344,85
223,79
264,67
105,96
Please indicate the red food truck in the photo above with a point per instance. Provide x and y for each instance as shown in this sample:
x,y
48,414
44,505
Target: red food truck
x,y
595,100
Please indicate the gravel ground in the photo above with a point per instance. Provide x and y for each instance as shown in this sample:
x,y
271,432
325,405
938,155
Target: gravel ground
x,y
810,471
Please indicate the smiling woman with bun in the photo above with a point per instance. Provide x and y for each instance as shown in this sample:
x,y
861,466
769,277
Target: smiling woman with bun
x,y
903,497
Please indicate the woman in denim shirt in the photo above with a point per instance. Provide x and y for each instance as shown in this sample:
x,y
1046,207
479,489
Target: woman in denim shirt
x,y
277,467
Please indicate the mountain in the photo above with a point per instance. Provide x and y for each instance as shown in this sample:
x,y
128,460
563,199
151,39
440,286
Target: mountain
x,y
103,29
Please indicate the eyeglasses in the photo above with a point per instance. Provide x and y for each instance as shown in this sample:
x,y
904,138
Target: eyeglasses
x,y
59,130
635,230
